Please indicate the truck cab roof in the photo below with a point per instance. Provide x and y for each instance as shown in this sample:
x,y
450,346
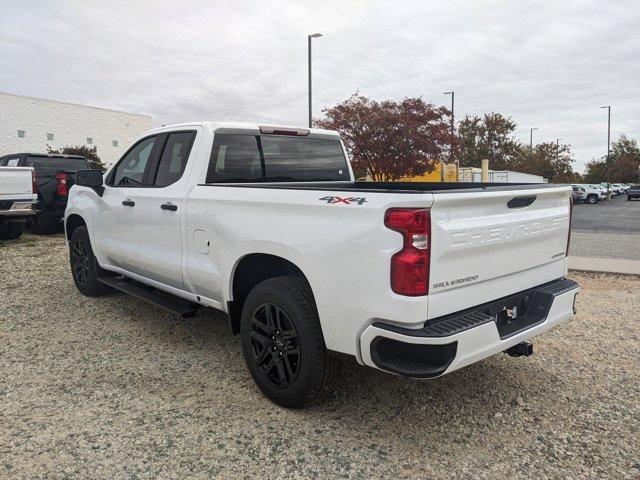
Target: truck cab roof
x,y
249,127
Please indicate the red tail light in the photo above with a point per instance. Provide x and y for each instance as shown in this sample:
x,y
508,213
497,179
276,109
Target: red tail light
x,y
34,183
410,266
63,188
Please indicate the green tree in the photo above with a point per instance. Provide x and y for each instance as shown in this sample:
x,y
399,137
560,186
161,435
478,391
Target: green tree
x,y
621,166
550,160
490,137
389,140
90,153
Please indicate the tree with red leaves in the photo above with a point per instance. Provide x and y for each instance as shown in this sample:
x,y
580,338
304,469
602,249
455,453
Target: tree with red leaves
x,y
389,140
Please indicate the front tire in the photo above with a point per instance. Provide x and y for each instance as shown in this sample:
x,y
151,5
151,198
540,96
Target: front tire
x,y
283,345
84,266
592,199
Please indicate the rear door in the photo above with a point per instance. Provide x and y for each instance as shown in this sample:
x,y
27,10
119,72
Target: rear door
x,y
116,218
490,243
161,208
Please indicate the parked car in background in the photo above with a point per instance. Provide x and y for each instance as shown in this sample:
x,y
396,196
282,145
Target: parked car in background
x,y
608,188
620,188
633,192
54,175
267,224
576,193
590,193
16,200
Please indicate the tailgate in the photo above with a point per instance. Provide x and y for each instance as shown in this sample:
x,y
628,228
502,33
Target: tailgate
x,y
492,243
15,181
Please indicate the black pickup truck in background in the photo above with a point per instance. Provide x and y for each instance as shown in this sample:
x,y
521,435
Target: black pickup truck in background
x,y
54,175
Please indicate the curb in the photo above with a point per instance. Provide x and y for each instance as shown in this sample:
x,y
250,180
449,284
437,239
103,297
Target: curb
x,y
617,266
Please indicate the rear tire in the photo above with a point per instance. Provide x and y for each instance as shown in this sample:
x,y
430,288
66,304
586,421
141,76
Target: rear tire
x,y
592,199
11,230
84,266
283,344
44,224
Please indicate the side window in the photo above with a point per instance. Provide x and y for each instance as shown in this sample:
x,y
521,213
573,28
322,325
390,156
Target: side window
x,y
234,158
12,162
130,170
3,162
174,158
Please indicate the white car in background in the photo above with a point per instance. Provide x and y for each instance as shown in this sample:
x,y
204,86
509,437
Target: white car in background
x,y
621,188
590,193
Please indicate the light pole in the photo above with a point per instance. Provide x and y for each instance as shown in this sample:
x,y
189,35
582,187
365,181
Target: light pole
x,y
531,140
608,107
453,103
558,148
309,37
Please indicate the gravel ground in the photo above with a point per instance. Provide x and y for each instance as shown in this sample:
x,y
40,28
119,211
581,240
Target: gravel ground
x,y
113,388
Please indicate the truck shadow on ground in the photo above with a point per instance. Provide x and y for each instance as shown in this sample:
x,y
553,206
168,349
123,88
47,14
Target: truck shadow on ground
x,y
477,390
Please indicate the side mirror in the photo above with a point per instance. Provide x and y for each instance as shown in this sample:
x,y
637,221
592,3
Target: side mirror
x,y
91,179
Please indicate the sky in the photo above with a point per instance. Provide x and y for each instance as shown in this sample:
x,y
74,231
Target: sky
x,y
548,65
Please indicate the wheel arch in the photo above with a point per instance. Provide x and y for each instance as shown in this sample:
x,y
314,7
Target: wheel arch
x,y
249,271
72,222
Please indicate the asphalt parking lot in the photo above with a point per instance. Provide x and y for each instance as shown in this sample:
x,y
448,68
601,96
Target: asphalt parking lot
x,y
617,215
608,229
113,388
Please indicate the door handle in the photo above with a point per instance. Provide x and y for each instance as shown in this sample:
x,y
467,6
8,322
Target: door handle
x,y
169,206
129,203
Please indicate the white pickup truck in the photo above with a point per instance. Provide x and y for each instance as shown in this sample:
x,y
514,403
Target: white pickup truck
x,y
266,223
16,200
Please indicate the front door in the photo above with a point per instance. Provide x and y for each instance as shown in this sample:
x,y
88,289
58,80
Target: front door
x,y
116,214
162,209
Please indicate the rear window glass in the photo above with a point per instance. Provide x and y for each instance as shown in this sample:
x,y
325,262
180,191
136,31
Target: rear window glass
x,y
56,164
255,158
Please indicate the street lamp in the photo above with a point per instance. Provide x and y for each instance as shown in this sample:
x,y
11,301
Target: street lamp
x,y
309,37
453,97
453,102
531,139
608,107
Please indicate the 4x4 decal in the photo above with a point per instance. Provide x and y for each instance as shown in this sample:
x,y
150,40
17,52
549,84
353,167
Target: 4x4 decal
x,y
345,200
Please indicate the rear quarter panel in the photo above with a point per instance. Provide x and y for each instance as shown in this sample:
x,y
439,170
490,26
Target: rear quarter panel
x,y
344,250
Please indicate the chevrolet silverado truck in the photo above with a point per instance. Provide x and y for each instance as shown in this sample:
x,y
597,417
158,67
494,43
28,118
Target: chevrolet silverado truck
x,y
267,224
16,200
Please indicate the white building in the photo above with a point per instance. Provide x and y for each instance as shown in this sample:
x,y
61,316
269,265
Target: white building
x,y
30,124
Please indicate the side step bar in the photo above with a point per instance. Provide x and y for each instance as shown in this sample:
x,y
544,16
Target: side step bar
x,y
166,301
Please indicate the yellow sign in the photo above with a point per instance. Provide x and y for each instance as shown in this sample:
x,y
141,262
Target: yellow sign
x,y
450,174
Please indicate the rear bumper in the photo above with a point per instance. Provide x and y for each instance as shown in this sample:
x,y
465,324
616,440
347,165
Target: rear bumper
x,y
454,341
17,208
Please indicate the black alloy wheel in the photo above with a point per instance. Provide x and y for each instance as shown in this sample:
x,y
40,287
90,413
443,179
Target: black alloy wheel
x,y
283,345
275,345
80,260
84,266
